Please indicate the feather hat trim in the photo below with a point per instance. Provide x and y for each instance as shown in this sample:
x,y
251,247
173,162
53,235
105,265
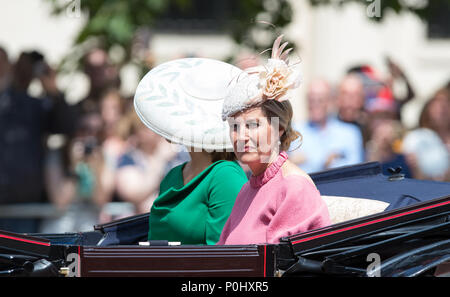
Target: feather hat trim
x,y
273,81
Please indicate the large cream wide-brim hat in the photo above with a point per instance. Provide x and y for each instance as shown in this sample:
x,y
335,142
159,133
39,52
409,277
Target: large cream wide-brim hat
x,y
181,100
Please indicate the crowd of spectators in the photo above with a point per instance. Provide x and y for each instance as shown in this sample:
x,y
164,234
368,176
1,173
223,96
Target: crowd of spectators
x,y
360,120
109,165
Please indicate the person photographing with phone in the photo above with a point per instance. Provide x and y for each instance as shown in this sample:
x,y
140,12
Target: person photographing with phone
x,y
25,121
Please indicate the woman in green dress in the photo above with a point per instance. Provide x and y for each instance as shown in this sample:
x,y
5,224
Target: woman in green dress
x,y
196,199
181,100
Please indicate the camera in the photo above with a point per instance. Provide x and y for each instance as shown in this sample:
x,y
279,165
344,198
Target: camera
x,y
39,66
89,145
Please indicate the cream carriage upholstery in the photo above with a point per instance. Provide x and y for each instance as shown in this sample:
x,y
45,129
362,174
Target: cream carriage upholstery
x,y
348,208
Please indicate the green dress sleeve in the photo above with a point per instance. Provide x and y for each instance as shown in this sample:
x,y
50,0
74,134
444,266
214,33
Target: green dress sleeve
x,y
223,190
196,212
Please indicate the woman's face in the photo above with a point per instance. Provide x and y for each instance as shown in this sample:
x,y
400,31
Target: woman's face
x,y
254,139
438,111
111,109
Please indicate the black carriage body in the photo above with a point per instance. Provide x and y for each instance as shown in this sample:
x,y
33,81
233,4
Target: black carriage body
x,y
410,237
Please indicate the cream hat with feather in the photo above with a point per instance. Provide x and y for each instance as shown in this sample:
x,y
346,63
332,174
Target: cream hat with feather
x,y
181,100
273,81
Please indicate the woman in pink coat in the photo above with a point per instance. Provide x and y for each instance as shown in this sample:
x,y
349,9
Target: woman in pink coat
x,y
279,199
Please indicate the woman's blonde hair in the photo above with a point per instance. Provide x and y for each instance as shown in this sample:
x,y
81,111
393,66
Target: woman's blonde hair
x,y
284,112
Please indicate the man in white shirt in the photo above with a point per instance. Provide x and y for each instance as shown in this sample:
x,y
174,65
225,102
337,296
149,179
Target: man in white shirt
x,y
326,141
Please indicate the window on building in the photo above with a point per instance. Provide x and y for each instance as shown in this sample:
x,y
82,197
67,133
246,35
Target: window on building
x,y
202,16
439,21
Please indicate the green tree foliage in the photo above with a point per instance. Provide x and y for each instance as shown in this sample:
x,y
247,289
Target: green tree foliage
x,y
252,23
116,23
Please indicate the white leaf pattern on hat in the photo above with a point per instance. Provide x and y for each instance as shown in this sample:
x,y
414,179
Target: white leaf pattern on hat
x,y
169,102
172,75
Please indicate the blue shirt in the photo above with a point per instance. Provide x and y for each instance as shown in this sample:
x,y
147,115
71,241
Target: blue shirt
x,y
319,142
25,122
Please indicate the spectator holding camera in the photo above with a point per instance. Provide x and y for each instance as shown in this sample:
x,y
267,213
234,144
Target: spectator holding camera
x,y
5,70
434,115
73,179
25,121
327,142
102,74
